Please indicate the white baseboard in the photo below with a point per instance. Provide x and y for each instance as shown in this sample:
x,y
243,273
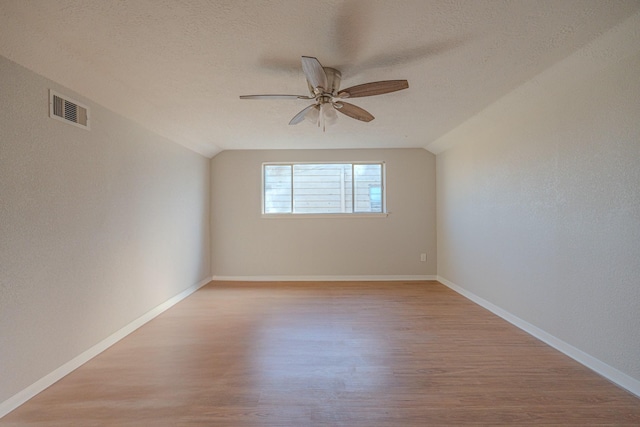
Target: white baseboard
x,y
46,381
620,378
354,278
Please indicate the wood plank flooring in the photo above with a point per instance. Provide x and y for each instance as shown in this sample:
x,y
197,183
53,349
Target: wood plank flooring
x,y
329,354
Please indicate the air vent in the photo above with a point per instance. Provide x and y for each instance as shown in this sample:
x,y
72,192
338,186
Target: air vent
x,y
67,110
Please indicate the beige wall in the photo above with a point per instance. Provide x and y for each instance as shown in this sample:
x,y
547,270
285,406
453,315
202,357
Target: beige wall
x,y
96,228
539,202
245,244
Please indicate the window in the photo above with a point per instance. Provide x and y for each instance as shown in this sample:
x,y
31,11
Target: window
x,y
323,188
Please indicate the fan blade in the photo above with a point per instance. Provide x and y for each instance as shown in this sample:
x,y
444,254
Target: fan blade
x,y
354,111
373,88
300,116
275,97
314,72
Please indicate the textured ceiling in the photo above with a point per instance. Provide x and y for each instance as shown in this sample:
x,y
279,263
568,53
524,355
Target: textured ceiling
x,y
178,67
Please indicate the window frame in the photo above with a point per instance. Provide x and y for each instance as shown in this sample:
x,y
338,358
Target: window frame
x,y
383,191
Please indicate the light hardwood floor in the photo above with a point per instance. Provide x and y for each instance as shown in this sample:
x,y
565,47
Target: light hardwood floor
x,y
329,354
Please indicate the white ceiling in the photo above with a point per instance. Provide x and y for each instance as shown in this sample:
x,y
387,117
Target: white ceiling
x,y
178,67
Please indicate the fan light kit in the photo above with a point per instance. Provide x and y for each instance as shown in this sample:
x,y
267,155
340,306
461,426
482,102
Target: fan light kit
x,y
324,86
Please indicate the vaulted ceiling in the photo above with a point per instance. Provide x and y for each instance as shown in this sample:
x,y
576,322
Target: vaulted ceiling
x,y
177,67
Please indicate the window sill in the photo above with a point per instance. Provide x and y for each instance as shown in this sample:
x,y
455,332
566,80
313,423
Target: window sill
x,y
325,216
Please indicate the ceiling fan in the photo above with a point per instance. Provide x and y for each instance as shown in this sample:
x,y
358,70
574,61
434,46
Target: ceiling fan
x,y
324,86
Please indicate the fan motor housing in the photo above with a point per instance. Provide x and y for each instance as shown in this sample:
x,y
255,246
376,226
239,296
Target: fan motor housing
x,y
333,81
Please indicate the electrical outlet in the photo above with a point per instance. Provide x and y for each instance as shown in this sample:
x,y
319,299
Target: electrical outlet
x,y
423,257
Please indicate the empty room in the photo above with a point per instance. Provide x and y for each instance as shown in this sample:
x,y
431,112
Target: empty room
x,y
319,213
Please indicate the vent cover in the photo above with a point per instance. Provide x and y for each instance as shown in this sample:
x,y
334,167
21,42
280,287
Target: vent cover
x,y
67,110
